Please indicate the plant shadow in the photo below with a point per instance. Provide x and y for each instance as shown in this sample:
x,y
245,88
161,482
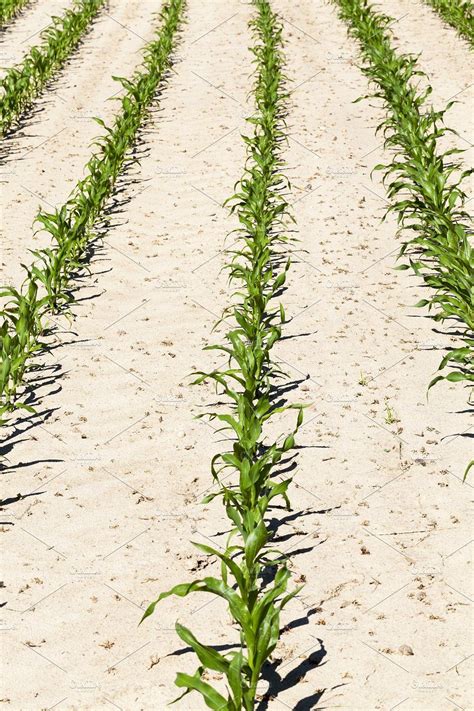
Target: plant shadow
x,y
277,683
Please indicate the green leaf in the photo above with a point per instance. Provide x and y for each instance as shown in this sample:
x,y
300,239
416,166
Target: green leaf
x,y
254,543
212,698
207,655
468,468
209,585
456,377
422,302
236,681
231,564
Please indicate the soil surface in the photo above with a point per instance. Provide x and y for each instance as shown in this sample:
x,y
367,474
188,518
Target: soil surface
x,y
103,486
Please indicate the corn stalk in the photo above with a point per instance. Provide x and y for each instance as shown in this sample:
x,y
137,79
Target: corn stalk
x,y
258,267
47,288
23,83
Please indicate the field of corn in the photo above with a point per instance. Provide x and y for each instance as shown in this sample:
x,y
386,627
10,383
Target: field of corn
x,y
237,354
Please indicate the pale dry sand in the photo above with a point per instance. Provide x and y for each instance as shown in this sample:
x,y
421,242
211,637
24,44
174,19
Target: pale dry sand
x,y
116,470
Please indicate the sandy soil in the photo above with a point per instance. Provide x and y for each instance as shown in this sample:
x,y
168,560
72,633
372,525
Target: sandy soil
x,y
114,470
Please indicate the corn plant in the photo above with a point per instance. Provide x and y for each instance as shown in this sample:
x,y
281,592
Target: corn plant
x,y
47,287
457,13
23,83
424,185
258,267
10,8
19,332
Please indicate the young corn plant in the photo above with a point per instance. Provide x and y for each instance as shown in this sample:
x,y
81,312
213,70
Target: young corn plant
x,y
23,83
457,13
246,476
47,287
424,185
19,333
10,8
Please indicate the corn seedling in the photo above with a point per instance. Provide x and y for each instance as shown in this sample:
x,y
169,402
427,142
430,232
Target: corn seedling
x,y
390,416
47,288
256,267
23,83
10,8
457,13
20,332
423,183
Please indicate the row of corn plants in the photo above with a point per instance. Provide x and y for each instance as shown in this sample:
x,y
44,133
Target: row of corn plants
x,y
47,288
10,8
254,576
24,82
424,185
459,14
